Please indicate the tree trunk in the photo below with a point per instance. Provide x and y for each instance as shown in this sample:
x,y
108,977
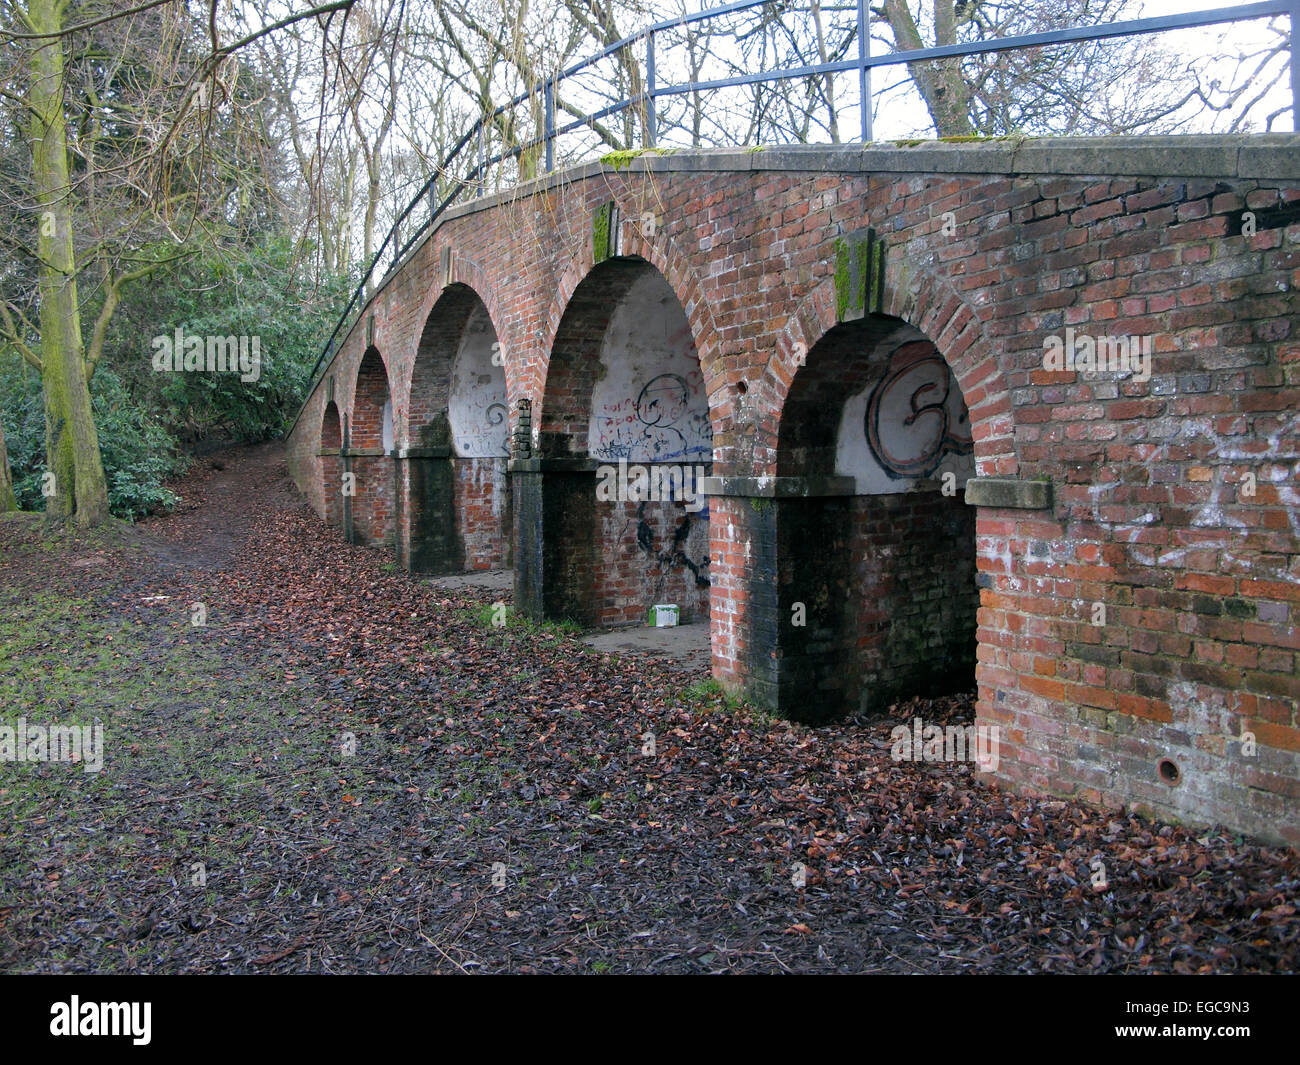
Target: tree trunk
x,y
946,94
7,500
79,488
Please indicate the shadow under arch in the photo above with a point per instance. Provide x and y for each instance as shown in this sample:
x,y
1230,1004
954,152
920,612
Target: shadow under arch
x,y
876,431
330,464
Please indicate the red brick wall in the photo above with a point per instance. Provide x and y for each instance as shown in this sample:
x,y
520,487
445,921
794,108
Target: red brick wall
x,y
987,255
651,552
913,597
368,403
483,512
374,506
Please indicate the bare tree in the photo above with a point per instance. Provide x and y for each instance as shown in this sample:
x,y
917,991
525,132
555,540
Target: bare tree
x,y
119,110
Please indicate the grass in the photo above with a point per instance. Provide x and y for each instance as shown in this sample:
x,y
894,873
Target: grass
x,y
182,757
502,617
708,696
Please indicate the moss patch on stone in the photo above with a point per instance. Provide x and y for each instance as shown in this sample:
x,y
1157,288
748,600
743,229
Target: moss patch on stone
x,y
619,160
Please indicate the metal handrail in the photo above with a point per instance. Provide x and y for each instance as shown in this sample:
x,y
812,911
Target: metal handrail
x,y
864,63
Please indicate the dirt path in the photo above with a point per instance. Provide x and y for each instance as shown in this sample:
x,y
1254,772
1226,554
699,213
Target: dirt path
x,y
345,770
221,501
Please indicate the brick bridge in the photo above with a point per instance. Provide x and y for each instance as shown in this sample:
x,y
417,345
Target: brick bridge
x,y
877,362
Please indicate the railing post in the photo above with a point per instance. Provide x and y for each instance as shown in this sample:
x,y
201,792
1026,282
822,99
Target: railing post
x,y
864,71
1295,65
548,118
651,123
482,156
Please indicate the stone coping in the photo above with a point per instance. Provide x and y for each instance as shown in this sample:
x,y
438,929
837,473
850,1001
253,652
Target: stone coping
x,y
443,452
585,464
780,487
1010,492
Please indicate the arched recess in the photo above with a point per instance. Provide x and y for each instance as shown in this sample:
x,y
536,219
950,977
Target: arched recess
x,y
456,462
368,456
884,607
331,464
611,514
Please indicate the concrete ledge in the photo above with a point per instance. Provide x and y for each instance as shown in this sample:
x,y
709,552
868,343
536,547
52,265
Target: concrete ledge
x,y
717,160
573,465
328,452
824,157
1280,162
423,453
1130,156
1008,492
364,453
779,487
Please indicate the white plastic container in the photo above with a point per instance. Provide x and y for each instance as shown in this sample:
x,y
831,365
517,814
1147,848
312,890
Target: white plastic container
x,y
664,615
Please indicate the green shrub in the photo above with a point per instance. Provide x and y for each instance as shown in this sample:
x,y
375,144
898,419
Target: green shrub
x,y
137,452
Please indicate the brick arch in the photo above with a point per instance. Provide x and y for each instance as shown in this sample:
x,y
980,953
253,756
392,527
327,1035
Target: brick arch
x,y
892,594
843,362
372,503
331,429
471,275
919,297
371,389
440,337
664,255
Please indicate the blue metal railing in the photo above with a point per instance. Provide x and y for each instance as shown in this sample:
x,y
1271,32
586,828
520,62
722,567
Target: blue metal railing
x,y
394,248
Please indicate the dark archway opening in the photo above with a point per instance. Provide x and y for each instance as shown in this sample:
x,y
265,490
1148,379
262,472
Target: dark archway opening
x,y
330,463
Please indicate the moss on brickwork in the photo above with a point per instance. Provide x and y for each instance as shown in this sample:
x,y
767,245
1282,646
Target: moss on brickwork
x,y
859,275
873,273
600,229
843,277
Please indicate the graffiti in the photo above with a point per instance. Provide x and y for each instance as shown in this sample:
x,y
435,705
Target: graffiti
x,y
915,414
666,422
478,422
675,555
